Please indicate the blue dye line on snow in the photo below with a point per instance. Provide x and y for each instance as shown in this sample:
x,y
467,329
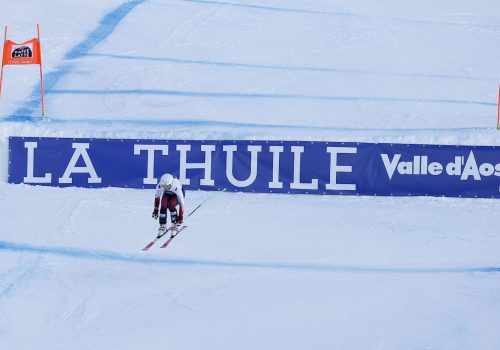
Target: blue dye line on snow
x,y
23,272
106,27
229,95
188,123
285,68
87,254
344,14
268,8
439,23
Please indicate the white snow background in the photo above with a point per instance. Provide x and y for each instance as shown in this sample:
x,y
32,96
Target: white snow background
x,y
252,271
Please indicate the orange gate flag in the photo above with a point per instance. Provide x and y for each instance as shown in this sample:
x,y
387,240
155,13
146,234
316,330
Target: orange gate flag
x,y
28,52
25,53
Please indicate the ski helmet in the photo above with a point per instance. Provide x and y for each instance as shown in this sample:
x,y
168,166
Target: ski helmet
x,y
166,181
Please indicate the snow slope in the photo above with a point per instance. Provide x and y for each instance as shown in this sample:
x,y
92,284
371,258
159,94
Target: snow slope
x,y
252,271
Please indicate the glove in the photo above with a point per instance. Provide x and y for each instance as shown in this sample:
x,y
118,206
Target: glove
x,y
155,214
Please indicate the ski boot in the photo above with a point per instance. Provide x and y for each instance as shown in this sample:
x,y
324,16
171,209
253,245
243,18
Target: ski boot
x,y
174,230
173,217
161,231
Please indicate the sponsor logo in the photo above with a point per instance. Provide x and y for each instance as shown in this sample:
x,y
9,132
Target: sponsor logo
x,y
22,51
464,167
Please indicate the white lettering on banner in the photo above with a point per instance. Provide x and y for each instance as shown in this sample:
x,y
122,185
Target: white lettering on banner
x,y
435,168
259,166
30,176
458,167
390,165
80,151
425,162
470,168
455,168
486,169
296,184
416,162
335,168
150,179
405,168
207,165
254,150
276,150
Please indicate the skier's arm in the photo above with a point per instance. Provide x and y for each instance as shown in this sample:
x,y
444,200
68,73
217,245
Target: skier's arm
x,y
157,203
157,196
180,196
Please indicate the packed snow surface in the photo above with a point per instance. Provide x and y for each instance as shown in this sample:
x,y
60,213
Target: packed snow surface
x,y
252,271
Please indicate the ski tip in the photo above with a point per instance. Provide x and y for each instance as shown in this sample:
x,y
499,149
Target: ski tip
x,y
165,245
148,246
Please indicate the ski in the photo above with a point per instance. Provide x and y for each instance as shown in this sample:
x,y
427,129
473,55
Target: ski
x,y
152,243
180,229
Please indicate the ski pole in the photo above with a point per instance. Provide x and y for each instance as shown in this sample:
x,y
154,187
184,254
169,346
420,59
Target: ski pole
x,y
206,200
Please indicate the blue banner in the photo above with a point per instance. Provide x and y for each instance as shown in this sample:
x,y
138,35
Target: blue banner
x,y
339,168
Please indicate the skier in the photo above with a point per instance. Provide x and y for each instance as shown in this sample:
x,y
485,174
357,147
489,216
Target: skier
x,y
169,193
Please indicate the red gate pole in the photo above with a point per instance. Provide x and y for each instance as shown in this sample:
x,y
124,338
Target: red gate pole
x,y
1,72
41,75
498,123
